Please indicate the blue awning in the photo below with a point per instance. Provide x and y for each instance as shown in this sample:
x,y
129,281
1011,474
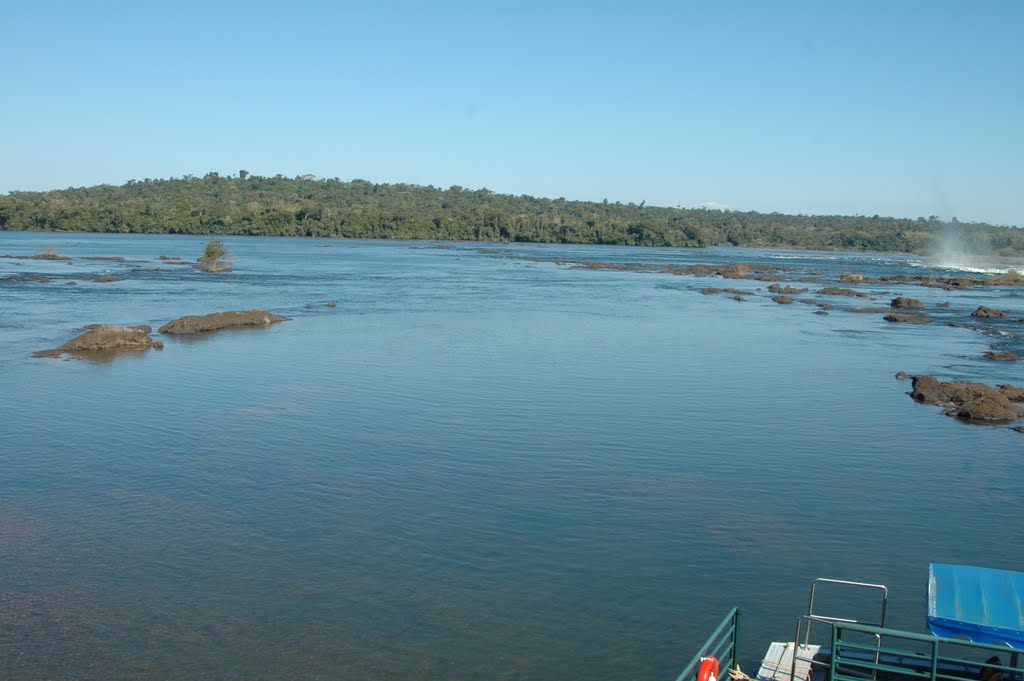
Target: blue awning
x,y
983,605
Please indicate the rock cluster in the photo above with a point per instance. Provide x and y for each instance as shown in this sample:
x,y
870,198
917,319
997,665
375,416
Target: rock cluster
x,y
975,402
110,337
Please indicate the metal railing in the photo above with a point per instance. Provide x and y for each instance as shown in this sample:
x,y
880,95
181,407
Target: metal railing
x,y
804,622
915,656
722,644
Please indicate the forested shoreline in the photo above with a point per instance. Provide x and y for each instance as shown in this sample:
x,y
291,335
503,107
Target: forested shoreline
x,y
305,206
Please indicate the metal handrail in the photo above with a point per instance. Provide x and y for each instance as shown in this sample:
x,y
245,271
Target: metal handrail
x,y
722,644
930,665
810,618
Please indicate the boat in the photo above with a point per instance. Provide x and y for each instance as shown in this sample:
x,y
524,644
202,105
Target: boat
x,y
975,616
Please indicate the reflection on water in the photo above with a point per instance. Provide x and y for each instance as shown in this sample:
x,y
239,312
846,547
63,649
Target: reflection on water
x,y
476,465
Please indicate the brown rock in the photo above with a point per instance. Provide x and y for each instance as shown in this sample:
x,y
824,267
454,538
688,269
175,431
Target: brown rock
x,y
1001,355
1013,394
833,291
988,312
986,409
974,402
906,303
906,319
786,290
101,337
783,300
710,291
221,320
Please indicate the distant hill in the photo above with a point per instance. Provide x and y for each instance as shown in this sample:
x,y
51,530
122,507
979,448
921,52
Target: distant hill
x,y
306,206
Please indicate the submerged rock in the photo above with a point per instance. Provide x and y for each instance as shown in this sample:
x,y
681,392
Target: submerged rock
x,y
834,291
1001,355
101,337
906,319
221,320
710,291
975,402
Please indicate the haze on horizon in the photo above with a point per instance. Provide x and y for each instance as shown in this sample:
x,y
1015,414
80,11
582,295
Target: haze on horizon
x,y
901,109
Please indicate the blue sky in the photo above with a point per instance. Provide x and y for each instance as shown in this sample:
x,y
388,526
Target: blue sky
x,y
900,107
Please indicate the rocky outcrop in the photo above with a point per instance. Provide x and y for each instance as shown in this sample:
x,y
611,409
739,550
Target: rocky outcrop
x,y
1001,355
834,291
975,402
106,337
221,320
901,302
989,313
43,255
783,300
906,319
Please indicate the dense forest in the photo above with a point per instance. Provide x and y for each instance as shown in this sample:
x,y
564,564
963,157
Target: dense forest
x,y
306,206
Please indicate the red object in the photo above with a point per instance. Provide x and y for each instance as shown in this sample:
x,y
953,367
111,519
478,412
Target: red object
x,y
708,670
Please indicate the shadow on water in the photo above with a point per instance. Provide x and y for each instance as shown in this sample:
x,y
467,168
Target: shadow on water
x,y
107,356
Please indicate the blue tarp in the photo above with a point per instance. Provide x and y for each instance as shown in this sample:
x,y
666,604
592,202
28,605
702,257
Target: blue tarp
x,y
984,605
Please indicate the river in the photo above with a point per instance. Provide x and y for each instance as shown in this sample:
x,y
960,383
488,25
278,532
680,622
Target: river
x,y
480,463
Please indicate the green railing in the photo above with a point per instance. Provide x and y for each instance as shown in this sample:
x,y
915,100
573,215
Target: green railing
x,y
722,644
860,651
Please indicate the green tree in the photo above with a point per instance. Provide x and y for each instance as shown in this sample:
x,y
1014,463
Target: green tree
x,y
215,257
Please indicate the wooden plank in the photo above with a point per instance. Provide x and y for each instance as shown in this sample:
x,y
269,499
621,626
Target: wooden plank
x,y
778,662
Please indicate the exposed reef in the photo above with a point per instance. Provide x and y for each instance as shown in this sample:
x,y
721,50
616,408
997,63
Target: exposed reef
x,y
106,337
221,320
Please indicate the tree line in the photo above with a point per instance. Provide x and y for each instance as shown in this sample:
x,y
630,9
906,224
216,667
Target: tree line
x,y
305,206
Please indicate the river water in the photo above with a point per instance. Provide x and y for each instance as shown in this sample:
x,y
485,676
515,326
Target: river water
x,y
478,464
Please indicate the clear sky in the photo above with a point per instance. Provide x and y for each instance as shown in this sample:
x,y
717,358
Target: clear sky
x,y
897,107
